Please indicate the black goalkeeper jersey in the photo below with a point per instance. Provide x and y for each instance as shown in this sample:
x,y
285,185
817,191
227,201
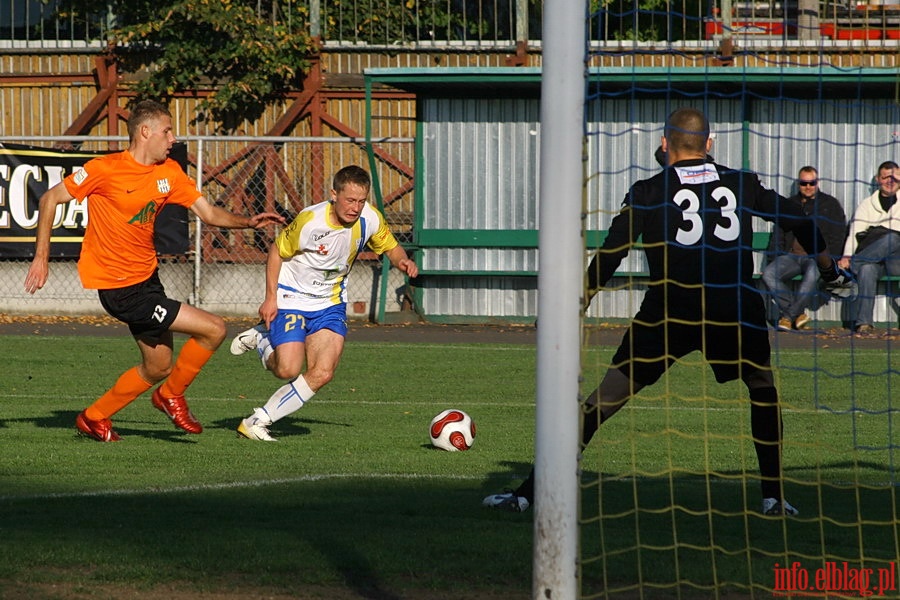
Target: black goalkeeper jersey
x,y
693,220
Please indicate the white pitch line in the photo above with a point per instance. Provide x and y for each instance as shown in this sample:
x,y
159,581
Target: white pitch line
x,y
505,347
743,406
236,485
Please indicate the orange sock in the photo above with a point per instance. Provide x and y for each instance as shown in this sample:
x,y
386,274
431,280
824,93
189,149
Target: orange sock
x,y
129,386
190,360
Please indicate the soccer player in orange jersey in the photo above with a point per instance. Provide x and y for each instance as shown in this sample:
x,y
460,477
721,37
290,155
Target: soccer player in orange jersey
x,y
118,259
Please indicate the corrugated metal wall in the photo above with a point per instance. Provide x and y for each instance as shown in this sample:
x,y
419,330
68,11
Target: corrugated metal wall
x,y
480,157
481,153
844,140
481,171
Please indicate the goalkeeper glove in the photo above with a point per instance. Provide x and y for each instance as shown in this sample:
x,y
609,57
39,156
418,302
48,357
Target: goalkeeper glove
x,y
839,282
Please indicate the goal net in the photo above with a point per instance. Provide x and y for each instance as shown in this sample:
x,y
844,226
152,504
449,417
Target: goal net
x,y
670,502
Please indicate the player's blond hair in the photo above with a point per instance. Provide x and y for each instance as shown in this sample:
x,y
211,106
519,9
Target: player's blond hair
x,y
144,111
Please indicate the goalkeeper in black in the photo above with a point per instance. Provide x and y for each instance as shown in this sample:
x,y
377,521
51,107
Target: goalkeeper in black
x,y
693,220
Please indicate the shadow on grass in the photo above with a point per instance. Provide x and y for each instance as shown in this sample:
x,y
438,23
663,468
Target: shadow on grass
x,y
691,536
375,538
126,427
65,419
511,476
287,427
57,419
283,429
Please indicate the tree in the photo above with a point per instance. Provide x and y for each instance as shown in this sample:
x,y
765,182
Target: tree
x,y
238,55
647,20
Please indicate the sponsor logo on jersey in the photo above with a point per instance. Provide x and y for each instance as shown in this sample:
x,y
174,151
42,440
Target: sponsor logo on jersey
x,y
145,215
80,176
163,186
696,174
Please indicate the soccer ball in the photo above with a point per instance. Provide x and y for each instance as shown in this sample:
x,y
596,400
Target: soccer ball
x,y
452,430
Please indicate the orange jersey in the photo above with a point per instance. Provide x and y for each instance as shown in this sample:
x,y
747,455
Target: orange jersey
x,y
124,199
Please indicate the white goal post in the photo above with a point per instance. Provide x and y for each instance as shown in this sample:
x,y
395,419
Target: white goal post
x,y
561,252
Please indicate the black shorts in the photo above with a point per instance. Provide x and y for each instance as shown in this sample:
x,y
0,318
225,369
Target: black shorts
x,y
144,307
733,348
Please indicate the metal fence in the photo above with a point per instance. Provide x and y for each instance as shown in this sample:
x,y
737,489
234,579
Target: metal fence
x,y
484,24
64,23
223,270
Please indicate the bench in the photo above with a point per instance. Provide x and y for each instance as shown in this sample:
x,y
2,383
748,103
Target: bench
x,y
528,239
510,239
429,240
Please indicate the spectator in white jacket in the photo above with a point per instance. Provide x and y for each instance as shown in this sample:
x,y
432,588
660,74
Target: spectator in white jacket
x,y
873,245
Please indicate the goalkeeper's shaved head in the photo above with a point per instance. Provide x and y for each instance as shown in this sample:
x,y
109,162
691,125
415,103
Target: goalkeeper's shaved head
x,y
687,131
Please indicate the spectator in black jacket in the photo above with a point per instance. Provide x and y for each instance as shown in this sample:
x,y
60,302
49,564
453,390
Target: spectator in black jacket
x,y
789,258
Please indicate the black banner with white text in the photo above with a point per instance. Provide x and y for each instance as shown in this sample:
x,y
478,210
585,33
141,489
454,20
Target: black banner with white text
x,y
26,172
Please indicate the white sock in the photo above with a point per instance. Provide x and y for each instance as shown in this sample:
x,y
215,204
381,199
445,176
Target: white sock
x,y
288,398
259,416
264,349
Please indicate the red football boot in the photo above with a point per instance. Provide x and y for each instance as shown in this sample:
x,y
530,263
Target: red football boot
x,y
176,408
99,430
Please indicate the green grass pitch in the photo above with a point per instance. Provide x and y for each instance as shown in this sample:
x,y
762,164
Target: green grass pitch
x,y
352,502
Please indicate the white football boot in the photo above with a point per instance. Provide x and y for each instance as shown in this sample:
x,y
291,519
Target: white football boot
x,y
247,340
507,501
774,507
256,427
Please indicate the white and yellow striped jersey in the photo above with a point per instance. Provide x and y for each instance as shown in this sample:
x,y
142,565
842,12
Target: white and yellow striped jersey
x,y
318,256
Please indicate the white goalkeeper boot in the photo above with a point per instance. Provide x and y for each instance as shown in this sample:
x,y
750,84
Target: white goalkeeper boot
x,y
774,507
507,501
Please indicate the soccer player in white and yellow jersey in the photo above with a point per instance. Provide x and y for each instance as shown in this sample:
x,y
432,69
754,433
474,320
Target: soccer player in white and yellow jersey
x,y
305,308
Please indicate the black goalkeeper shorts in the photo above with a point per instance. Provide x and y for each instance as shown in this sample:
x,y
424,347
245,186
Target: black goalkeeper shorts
x,y
733,348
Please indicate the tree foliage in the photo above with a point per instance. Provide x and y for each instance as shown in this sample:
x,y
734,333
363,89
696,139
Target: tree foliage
x,y
396,22
648,20
240,56
237,55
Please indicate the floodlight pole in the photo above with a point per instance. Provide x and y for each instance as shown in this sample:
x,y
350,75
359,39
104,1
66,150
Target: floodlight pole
x,y
560,287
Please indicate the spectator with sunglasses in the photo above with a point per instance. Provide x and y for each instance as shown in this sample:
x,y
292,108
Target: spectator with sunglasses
x,y
789,258
873,245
